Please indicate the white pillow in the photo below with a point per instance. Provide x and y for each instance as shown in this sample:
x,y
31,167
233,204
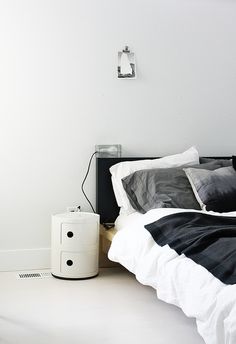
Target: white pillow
x,y
123,169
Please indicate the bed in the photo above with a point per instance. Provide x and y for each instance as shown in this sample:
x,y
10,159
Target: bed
x,y
143,242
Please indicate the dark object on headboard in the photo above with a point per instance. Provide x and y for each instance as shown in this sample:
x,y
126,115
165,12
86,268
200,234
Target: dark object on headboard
x,y
106,204
234,161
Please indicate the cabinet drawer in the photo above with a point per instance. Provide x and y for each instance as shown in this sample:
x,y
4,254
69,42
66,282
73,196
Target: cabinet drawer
x,y
79,263
79,235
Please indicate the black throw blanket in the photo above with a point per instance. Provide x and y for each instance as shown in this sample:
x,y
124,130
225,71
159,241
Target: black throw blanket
x,y
207,239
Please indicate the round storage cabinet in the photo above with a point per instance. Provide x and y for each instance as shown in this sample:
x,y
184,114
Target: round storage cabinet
x,y
75,245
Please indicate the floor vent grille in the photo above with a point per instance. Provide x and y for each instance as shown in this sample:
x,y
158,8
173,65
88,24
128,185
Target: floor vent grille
x,y
27,275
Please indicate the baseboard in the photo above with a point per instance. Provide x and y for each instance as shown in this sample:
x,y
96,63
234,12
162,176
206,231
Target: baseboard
x,y
25,259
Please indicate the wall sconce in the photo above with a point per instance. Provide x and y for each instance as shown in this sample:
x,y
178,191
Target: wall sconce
x,y
126,64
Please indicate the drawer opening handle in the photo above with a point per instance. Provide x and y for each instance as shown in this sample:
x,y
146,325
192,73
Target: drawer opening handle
x,y
69,262
70,234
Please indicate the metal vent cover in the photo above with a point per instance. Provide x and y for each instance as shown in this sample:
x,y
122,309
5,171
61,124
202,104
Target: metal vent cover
x,y
27,275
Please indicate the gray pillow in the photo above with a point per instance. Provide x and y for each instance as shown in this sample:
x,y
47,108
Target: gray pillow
x,y
214,190
162,188
223,162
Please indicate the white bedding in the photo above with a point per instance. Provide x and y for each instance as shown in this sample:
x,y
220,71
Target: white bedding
x,y
177,279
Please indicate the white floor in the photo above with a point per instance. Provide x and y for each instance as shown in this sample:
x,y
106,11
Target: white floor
x,y
112,308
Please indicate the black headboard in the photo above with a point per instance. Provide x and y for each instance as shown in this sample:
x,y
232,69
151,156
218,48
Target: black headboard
x,y
106,204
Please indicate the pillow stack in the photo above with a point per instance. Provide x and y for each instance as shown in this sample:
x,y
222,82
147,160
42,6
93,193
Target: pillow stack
x,y
163,188
176,181
123,169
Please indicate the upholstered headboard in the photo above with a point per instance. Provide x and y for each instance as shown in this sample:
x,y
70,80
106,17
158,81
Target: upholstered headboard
x,y
106,204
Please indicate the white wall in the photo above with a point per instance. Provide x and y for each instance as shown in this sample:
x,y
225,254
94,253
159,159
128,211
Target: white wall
x,y
59,95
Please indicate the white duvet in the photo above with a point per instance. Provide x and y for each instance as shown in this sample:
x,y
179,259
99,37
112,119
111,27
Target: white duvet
x,y
177,279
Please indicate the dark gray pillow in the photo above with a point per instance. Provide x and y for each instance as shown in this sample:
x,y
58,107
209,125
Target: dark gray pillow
x,y
214,190
223,162
162,188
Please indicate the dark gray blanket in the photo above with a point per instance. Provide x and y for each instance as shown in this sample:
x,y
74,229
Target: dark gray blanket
x,y
207,239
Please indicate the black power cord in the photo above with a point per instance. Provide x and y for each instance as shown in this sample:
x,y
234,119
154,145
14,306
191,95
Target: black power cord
x,y
86,175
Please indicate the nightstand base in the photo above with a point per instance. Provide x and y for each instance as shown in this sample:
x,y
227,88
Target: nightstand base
x,y
74,279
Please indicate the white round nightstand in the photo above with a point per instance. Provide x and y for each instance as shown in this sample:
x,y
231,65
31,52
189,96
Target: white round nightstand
x,y
75,245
